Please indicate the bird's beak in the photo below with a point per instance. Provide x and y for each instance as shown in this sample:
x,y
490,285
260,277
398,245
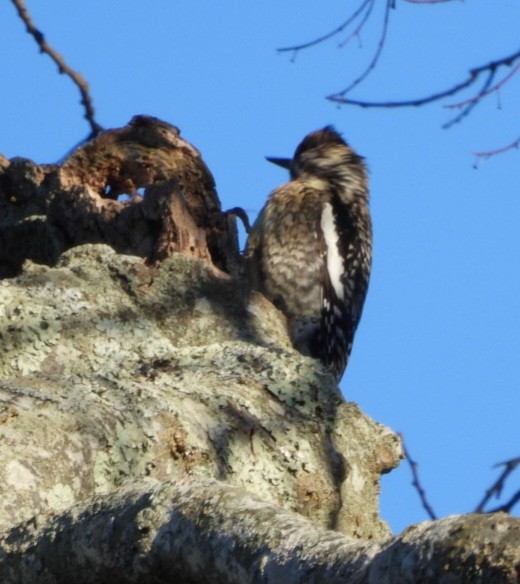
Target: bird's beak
x,y
283,162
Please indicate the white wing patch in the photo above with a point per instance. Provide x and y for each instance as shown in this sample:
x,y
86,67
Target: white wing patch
x,y
334,260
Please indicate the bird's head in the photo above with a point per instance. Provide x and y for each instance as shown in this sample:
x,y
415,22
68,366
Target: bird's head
x,y
323,154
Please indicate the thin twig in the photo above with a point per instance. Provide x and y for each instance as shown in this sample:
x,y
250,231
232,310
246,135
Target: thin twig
x,y
332,33
491,90
357,31
474,102
474,74
76,77
417,483
488,154
428,1
506,507
489,70
498,485
375,58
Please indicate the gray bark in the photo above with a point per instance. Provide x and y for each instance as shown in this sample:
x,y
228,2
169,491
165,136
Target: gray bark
x,y
112,371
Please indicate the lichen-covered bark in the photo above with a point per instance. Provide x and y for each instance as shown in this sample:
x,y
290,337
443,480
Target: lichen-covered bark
x,y
113,371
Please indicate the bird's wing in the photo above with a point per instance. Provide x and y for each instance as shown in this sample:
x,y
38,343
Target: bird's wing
x,y
344,284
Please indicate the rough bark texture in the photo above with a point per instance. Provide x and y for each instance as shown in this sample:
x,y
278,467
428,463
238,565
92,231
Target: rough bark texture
x,y
201,530
155,423
46,209
112,371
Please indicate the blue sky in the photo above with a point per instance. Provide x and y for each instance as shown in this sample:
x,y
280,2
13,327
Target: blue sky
x,y
437,354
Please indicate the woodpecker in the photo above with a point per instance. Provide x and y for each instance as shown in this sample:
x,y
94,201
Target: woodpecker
x,y
310,250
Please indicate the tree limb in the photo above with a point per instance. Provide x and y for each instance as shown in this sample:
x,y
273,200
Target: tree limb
x,y
203,531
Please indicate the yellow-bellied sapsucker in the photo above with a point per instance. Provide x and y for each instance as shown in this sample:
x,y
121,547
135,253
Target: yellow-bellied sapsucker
x,y
310,249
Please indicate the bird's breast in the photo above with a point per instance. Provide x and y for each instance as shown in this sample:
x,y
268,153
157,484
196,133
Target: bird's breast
x,y
291,256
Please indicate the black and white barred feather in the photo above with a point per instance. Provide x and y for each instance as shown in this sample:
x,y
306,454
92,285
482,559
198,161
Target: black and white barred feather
x,y
310,249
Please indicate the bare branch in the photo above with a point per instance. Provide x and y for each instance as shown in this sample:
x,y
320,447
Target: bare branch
x,y
481,156
365,10
417,483
493,89
486,90
473,102
371,66
429,1
63,68
487,71
357,31
497,487
337,30
506,507
473,76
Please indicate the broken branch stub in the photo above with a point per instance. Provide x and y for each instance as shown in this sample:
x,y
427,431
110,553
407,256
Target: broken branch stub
x,y
172,204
